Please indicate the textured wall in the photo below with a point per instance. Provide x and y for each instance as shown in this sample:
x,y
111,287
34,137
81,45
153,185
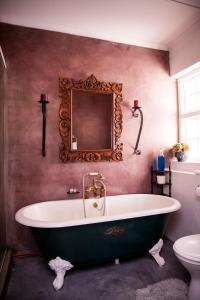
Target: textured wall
x,y
2,155
36,59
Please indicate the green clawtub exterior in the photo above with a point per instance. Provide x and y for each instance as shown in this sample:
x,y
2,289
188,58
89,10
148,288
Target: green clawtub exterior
x,y
97,243
84,236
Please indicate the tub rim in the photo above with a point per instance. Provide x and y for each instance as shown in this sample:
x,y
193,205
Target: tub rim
x,y
20,218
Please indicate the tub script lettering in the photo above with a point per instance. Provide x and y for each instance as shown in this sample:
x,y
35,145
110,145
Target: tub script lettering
x,y
114,230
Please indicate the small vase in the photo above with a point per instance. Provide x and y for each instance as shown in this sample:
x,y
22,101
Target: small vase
x,y
181,156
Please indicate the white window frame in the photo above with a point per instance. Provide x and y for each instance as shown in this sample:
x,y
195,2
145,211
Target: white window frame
x,y
189,114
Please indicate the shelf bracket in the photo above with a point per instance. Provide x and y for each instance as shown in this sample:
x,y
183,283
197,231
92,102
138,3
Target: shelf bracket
x,y
136,115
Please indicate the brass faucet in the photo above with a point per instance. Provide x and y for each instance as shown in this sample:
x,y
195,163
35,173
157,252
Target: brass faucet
x,y
98,190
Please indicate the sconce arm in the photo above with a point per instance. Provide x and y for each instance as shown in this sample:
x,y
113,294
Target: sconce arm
x,y
135,115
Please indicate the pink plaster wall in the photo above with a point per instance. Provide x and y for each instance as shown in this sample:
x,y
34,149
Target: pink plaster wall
x,y
36,59
2,154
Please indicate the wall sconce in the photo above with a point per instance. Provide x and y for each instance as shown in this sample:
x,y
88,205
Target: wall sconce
x,y
134,110
43,101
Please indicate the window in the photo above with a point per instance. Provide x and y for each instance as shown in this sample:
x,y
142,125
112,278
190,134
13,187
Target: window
x,y
189,112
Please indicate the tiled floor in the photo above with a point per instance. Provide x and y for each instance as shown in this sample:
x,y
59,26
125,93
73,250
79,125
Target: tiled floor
x,y
31,279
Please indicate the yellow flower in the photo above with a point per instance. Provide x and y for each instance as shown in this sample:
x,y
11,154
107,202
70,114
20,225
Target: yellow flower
x,y
179,147
185,147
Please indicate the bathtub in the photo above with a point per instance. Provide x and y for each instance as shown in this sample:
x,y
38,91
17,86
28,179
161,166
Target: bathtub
x,y
131,226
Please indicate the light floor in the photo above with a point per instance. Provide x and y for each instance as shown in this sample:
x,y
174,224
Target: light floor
x,y
31,278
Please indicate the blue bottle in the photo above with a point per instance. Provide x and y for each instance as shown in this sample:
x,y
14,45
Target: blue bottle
x,y
161,161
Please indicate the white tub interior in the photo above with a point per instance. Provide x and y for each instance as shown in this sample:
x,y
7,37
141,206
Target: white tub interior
x,y
62,213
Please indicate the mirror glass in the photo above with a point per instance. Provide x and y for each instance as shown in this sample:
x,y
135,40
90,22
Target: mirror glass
x,y
91,120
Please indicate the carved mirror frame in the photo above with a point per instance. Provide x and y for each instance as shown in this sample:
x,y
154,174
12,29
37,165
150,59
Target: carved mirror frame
x,y
66,87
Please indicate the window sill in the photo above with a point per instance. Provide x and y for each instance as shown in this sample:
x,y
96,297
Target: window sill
x,y
185,166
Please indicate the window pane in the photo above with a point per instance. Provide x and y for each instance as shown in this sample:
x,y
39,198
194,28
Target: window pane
x,y
190,103
190,86
198,101
191,128
198,83
183,129
198,152
193,148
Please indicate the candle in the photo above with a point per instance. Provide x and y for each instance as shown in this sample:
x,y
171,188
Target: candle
x,y
136,103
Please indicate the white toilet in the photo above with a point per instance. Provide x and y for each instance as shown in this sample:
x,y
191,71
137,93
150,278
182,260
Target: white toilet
x,y
187,250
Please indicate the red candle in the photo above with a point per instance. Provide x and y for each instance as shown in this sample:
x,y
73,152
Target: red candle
x,y
136,103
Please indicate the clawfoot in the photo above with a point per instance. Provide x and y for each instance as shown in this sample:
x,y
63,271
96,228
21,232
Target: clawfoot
x,y
59,266
155,252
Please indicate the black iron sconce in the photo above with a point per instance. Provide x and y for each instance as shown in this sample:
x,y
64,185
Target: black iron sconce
x,y
43,101
136,108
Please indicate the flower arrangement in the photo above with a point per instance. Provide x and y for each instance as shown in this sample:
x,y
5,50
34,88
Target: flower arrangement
x,y
180,147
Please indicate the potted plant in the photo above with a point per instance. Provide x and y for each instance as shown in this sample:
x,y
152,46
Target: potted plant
x,y
180,151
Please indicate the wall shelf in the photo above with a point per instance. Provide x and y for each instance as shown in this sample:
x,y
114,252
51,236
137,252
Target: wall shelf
x,y
157,188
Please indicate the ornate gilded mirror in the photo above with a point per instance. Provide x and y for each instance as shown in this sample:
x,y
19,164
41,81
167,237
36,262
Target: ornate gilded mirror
x,y
90,120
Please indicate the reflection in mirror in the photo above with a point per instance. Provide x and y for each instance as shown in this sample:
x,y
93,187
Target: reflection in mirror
x,y
91,120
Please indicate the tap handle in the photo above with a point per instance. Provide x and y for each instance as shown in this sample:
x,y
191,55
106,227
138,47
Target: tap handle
x,y
101,176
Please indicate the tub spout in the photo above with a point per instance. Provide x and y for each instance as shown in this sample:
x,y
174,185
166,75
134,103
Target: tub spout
x,y
100,189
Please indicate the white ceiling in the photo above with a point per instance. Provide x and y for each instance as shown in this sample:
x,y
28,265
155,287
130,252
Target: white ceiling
x,y
148,23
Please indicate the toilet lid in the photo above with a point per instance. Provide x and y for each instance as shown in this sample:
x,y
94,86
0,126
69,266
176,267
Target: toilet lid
x,y
188,246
